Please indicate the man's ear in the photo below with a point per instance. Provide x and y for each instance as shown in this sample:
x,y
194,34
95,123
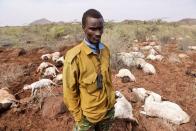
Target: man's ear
x,y
83,27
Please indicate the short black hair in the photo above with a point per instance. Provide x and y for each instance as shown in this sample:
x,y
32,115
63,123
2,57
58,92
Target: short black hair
x,y
90,13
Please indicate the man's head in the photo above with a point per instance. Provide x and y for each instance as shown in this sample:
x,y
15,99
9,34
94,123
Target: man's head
x,y
92,24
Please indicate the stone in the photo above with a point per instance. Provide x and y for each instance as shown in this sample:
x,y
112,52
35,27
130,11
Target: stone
x,y
53,106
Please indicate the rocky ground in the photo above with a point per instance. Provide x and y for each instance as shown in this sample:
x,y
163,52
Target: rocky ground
x,y
174,81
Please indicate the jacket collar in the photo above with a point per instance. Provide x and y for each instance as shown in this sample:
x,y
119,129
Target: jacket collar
x,y
86,49
89,48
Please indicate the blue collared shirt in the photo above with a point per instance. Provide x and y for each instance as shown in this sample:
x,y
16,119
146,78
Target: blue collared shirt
x,y
93,47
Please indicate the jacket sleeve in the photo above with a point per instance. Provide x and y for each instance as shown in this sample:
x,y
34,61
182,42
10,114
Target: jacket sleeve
x,y
71,89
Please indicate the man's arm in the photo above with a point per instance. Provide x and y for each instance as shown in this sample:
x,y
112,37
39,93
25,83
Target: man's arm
x,y
71,89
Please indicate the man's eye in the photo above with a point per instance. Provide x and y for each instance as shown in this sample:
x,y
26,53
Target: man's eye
x,y
93,29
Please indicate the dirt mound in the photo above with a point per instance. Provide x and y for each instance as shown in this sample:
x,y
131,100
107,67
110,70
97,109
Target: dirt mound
x,y
171,82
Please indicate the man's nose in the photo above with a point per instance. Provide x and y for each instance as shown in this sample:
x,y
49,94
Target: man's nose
x,y
98,33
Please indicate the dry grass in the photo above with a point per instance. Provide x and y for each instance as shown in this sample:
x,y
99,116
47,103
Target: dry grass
x,y
118,36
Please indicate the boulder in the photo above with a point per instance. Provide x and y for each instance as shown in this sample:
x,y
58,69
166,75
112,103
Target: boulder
x,y
53,106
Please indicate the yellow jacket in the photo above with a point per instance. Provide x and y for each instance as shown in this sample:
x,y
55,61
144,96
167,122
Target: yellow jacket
x,y
81,95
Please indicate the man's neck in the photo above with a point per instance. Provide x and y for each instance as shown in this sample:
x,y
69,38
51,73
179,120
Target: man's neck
x,y
95,44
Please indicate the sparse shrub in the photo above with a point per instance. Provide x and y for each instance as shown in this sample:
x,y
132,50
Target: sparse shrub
x,y
175,24
144,32
165,39
159,21
119,36
140,36
152,29
108,25
184,43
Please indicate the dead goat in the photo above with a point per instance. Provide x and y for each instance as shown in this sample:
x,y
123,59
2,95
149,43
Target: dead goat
x,y
38,85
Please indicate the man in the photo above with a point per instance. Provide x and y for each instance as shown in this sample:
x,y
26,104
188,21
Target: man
x,y
87,84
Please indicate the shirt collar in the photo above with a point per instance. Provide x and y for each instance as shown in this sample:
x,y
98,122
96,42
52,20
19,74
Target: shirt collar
x,y
93,47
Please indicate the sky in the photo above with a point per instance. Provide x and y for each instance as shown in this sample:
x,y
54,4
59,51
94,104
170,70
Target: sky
x,y
23,12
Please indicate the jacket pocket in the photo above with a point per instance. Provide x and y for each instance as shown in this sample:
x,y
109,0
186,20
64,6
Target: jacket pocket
x,y
90,83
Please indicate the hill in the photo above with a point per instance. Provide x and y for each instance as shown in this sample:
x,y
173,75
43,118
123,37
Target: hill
x,y
42,21
189,21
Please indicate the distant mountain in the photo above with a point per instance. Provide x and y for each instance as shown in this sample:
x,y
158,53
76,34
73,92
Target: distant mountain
x,y
41,22
188,21
60,22
132,21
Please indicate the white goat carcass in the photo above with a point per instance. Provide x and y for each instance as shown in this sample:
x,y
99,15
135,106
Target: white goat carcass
x,y
159,57
46,57
60,61
136,41
6,100
139,61
38,85
192,47
157,48
145,48
58,79
130,59
151,57
126,58
154,96
136,54
123,108
148,68
166,110
153,43
141,93
135,48
125,72
43,66
55,56
50,72
154,57
153,52
181,55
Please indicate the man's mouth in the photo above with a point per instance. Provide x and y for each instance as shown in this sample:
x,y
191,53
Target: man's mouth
x,y
97,39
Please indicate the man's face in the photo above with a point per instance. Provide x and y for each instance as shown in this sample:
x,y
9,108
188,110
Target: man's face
x,y
93,29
